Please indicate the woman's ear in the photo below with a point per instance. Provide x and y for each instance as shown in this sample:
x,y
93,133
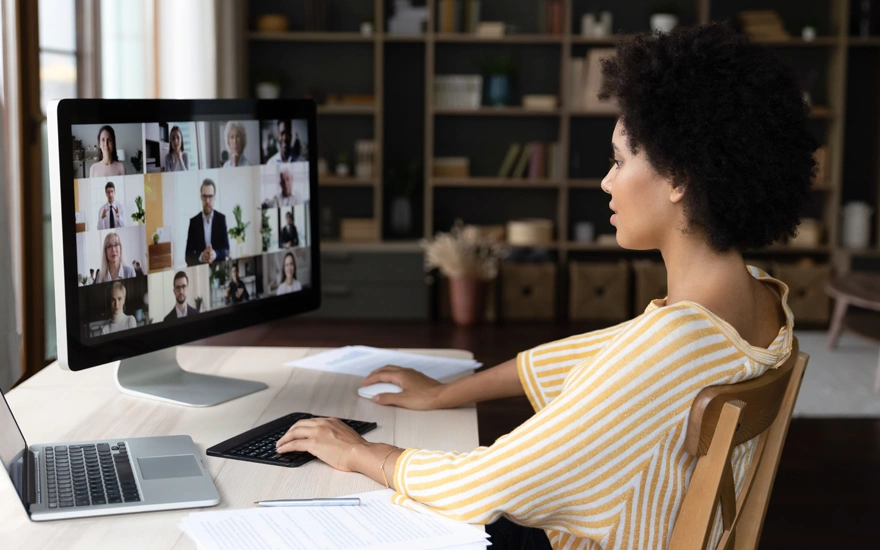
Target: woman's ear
x,y
677,194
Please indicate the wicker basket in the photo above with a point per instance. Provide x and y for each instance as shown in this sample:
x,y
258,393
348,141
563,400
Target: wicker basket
x,y
598,291
528,291
806,290
650,283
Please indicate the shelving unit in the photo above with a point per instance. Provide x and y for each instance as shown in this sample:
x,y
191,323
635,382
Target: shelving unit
x,y
574,129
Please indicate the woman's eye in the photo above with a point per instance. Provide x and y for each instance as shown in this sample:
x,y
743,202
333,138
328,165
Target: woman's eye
x,y
613,162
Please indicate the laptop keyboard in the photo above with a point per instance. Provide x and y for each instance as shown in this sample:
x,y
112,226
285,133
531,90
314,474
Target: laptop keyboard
x,y
261,447
90,474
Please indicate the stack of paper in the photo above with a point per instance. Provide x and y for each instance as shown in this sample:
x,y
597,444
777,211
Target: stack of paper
x,y
362,360
375,524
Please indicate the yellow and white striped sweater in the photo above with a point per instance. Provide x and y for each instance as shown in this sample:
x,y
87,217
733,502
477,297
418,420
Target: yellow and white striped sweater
x,y
601,464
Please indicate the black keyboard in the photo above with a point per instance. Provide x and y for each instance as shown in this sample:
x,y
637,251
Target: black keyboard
x,y
89,474
258,444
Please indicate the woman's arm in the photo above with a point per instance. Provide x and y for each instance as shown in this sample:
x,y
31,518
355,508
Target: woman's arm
x,y
423,393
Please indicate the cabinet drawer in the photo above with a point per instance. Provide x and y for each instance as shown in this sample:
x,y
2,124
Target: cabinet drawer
x,y
345,267
370,300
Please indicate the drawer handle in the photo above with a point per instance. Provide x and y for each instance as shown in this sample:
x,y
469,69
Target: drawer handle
x,y
335,290
336,257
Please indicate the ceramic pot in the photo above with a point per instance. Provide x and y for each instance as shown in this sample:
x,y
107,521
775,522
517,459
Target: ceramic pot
x,y
467,296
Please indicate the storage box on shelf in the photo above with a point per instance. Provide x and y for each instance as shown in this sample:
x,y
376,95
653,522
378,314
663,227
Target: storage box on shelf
x,y
806,290
528,291
598,291
650,283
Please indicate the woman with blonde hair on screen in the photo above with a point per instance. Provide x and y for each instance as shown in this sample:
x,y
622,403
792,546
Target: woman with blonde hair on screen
x,y
108,164
118,319
113,267
289,282
236,141
176,160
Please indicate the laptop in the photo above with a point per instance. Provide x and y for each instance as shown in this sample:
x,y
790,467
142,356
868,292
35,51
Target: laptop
x,y
103,477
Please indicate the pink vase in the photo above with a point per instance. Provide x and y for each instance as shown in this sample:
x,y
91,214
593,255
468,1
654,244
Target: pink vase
x,y
467,296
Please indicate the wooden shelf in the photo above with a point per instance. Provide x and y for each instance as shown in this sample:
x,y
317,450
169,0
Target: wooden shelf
x,y
778,250
494,182
378,246
468,38
498,111
821,111
346,109
593,247
585,183
403,37
346,181
857,41
608,41
305,36
800,42
580,113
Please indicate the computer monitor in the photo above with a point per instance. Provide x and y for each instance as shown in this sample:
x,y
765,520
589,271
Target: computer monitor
x,y
177,220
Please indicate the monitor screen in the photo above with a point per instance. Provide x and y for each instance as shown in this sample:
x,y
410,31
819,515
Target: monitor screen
x,y
183,220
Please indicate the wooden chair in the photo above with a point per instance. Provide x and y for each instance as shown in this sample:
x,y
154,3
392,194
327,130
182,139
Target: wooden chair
x,y
721,418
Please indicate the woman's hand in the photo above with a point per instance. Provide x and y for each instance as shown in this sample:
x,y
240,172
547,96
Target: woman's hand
x,y
329,439
420,392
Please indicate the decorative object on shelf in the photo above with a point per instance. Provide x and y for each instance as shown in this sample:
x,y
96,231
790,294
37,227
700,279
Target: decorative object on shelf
x,y
139,217
809,234
237,231
458,91
316,14
528,291
365,150
605,28
589,25
607,239
500,72
763,25
199,301
268,86
357,230
808,33
598,291
491,29
584,232
664,17
272,22
857,224
452,167
265,229
864,18
531,232
540,102
407,20
350,99
323,167
402,182
155,238
137,161
469,261
367,28
342,167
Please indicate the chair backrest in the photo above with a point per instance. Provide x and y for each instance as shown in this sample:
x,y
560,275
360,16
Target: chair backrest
x,y
721,418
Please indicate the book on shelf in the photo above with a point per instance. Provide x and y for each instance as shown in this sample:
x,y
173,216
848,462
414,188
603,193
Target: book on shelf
x,y
538,161
553,13
520,170
554,161
509,159
471,16
577,76
447,15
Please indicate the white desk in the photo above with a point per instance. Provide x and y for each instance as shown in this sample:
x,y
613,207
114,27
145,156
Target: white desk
x,y
57,405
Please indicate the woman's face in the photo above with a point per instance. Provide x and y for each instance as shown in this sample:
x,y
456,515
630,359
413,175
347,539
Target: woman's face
x,y
117,301
106,144
113,250
176,141
645,206
235,142
288,268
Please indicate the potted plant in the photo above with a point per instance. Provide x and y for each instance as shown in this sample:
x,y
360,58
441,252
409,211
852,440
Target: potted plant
x,y
138,161
198,300
664,17
342,167
218,275
266,230
268,84
470,261
237,231
155,238
500,72
139,216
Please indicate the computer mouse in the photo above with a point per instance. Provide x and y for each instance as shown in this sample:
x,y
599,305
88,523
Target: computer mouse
x,y
375,389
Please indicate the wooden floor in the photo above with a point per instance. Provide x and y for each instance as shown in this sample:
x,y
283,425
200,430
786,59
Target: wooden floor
x,y
827,491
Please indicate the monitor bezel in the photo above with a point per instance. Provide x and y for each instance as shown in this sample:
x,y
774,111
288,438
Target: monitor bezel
x,y
76,354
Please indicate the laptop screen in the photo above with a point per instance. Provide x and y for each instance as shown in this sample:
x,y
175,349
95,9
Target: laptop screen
x,y
12,448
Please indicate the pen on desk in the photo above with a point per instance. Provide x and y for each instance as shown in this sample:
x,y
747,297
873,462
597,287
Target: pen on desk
x,y
310,502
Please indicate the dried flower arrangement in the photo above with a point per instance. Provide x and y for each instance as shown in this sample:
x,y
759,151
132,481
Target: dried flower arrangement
x,y
464,252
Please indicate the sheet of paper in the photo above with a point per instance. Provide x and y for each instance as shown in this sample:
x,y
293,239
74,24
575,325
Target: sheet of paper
x,y
375,524
362,360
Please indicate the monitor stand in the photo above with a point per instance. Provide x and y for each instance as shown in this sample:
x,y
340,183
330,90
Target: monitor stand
x,y
158,375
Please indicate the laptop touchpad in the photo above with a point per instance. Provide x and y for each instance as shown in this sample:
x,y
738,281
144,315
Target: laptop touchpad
x,y
164,467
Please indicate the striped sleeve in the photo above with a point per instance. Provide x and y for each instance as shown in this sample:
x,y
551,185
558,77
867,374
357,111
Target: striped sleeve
x,y
584,465
543,369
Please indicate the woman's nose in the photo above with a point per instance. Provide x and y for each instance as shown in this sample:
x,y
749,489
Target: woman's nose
x,y
606,185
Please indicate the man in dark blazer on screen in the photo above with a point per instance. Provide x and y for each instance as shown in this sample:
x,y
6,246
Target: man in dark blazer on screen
x,y
200,248
181,308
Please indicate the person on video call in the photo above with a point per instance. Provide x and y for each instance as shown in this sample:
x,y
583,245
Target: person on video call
x,y
236,141
206,239
108,164
91,276
235,290
285,150
181,308
113,268
289,234
138,270
285,196
118,319
112,214
290,282
176,160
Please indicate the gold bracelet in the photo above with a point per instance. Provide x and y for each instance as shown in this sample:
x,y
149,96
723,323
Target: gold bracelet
x,y
382,466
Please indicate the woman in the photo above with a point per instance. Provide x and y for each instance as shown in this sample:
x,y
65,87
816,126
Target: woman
x,y
711,157
176,160
236,141
118,319
108,165
290,282
113,267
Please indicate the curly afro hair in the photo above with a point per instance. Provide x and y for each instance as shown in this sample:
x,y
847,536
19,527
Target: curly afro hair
x,y
724,117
